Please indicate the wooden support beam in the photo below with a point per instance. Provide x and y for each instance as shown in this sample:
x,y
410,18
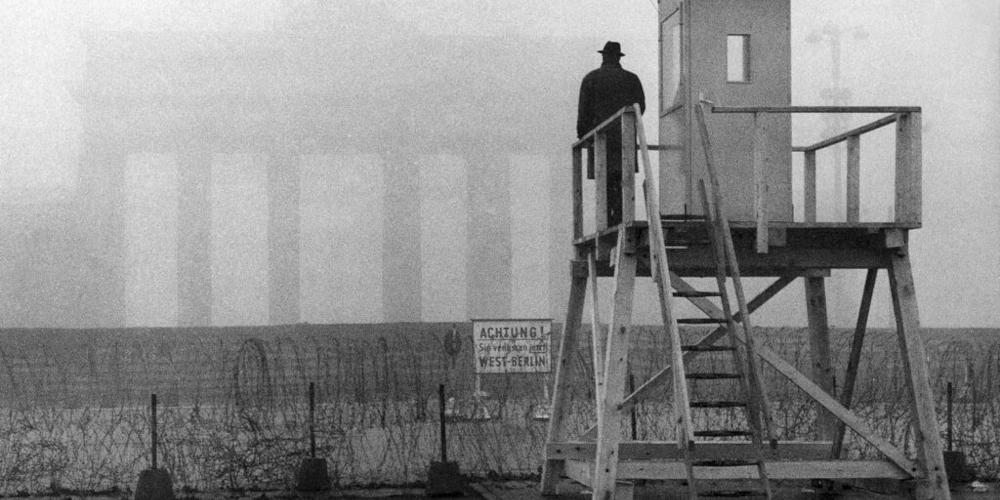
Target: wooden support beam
x,y
601,182
615,366
664,147
777,236
819,351
628,167
553,469
814,391
854,358
854,178
577,193
680,285
583,472
934,483
703,450
809,193
761,165
894,238
580,471
818,469
908,169
599,338
848,417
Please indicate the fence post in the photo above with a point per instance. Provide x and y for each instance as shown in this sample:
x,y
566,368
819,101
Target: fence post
x,y
444,428
950,408
312,419
154,438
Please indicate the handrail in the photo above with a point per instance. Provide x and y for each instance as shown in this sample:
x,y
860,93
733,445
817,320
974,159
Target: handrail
x,y
728,254
816,109
660,271
875,125
594,140
603,125
586,138
908,165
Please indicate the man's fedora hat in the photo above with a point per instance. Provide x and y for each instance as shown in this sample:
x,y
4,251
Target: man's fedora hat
x,y
612,48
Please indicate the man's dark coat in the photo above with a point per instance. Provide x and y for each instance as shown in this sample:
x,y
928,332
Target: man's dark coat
x,y
603,92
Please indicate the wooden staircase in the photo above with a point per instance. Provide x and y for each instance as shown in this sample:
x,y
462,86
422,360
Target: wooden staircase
x,y
743,368
739,459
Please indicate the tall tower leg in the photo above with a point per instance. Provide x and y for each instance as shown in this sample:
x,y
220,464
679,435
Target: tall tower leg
x,y
911,345
819,352
553,469
609,431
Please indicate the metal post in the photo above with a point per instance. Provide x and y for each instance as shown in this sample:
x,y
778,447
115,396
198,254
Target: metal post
x,y
949,417
312,419
153,426
444,437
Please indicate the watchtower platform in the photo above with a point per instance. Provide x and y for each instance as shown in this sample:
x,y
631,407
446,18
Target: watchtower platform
x,y
681,247
720,204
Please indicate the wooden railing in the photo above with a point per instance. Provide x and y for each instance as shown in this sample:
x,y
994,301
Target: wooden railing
x,y
595,142
908,163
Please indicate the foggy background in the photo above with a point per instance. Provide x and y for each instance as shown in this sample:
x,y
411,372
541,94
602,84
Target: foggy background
x,y
184,163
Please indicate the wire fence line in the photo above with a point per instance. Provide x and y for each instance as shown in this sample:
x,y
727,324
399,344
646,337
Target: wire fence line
x,y
234,411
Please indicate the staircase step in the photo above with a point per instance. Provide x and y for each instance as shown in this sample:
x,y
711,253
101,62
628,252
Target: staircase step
x,y
696,293
724,462
702,321
717,404
722,433
731,494
712,375
707,348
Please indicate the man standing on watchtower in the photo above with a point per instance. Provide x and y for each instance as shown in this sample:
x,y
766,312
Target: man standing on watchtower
x,y
603,92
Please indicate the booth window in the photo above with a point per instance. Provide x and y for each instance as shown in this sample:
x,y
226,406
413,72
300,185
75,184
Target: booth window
x,y
738,58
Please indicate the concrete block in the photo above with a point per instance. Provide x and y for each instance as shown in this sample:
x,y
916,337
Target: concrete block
x,y
956,468
444,479
154,484
312,475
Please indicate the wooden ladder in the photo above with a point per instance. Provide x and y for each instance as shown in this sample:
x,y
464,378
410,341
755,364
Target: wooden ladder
x,y
733,364
702,470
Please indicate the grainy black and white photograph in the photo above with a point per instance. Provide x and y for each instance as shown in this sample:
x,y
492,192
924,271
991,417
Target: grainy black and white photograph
x,y
499,249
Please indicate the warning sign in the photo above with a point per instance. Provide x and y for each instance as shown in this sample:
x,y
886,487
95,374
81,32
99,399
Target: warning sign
x,y
512,345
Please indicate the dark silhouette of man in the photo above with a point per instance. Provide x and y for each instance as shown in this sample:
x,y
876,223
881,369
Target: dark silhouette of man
x,y
603,92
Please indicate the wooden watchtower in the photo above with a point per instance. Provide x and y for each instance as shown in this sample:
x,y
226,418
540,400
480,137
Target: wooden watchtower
x,y
723,208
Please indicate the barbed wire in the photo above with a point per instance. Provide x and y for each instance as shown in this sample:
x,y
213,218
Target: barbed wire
x,y
234,413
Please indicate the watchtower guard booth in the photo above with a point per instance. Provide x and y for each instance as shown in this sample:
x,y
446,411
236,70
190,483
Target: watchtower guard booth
x,y
736,53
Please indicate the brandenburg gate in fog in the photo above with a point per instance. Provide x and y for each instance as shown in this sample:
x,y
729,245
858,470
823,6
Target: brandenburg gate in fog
x,y
280,102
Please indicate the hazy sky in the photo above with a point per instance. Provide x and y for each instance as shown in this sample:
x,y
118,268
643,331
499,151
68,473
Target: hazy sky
x,y
942,55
